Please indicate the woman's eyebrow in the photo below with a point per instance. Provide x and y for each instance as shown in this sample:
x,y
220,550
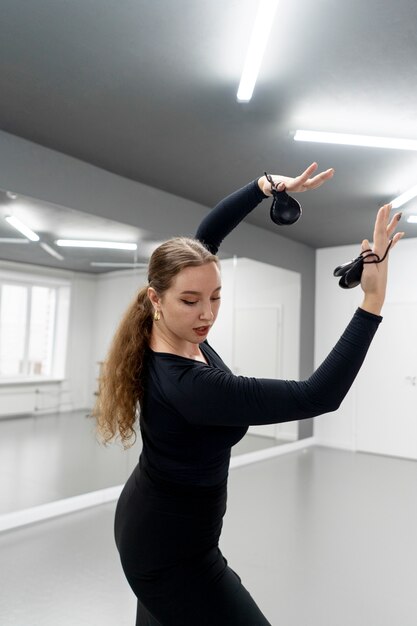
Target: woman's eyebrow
x,y
197,293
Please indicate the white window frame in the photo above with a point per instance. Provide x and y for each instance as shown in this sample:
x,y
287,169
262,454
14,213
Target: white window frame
x,y
61,322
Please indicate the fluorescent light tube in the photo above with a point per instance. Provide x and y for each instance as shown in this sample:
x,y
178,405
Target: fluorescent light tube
x,y
105,264
257,45
112,245
13,240
22,228
404,197
355,140
51,251
412,219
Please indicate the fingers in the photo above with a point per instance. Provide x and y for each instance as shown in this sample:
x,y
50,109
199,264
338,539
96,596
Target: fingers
x,y
384,229
319,179
365,245
393,224
396,238
304,181
381,223
307,173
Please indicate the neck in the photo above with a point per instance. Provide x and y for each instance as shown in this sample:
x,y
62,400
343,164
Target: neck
x,y
162,342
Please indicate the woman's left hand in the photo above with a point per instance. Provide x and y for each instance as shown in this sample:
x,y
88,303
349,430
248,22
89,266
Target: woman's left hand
x,y
303,182
374,275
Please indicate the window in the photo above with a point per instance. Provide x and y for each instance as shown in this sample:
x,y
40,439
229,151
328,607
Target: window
x,y
28,329
13,314
41,330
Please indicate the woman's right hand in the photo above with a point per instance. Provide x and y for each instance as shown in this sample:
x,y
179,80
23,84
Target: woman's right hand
x,y
303,182
374,275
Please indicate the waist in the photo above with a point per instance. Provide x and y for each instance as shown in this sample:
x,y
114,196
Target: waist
x,y
186,497
187,479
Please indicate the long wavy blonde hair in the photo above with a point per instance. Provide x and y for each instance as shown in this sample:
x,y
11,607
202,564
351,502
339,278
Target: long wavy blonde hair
x,y
122,382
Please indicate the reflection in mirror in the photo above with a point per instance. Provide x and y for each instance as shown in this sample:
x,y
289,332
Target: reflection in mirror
x,y
59,309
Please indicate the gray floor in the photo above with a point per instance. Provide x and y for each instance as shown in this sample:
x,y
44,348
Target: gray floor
x,y
49,457
320,538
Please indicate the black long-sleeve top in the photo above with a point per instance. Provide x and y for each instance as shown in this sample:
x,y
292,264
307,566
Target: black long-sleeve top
x,y
194,412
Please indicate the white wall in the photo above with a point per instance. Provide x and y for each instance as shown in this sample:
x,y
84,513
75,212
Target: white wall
x,y
114,292
334,308
78,380
221,334
249,283
260,284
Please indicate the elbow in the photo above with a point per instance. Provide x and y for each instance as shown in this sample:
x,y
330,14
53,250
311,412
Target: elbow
x,y
334,406
328,407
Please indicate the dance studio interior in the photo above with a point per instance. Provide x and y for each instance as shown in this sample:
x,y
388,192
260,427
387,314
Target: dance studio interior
x,y
122,124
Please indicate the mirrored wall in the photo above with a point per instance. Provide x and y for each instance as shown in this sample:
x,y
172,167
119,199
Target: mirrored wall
x,y
57,318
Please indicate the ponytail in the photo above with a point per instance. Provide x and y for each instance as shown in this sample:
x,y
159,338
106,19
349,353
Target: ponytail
x,y
121,382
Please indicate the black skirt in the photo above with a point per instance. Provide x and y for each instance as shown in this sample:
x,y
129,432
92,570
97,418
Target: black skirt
x,y
167,536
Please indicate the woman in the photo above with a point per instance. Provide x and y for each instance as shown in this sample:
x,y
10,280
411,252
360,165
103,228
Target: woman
x,y
193,409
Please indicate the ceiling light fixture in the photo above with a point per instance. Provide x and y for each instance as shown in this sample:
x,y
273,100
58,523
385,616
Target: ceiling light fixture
x,y
412,219
355,140
404,197
22,228
13,240
105,264
257,45
111,245
51,251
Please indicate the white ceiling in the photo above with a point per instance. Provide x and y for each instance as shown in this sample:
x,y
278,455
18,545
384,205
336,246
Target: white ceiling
x,y
147,90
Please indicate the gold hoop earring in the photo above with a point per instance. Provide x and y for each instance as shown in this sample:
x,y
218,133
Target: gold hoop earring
x,y
156,315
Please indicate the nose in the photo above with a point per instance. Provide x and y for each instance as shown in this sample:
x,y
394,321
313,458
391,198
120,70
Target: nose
x,y
207,313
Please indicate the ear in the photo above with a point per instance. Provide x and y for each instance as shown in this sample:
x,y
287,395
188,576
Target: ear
x,y
153,297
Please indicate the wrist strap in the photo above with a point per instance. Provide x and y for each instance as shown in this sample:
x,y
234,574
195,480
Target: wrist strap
x,y
374,254
350,273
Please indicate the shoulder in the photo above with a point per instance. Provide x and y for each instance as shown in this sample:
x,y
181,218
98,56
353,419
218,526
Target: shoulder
x,y
213,357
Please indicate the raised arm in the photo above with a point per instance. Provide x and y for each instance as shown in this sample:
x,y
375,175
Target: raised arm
x,y
229,400
225,399
227,214
230,211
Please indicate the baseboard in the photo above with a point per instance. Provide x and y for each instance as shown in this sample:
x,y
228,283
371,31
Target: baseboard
x,y
329,443
59,507
269,453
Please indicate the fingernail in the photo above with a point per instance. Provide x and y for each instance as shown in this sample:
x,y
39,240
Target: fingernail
x,y
399,216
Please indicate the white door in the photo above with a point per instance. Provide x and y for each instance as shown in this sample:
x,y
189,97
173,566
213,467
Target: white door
x,y
387,386
256,348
